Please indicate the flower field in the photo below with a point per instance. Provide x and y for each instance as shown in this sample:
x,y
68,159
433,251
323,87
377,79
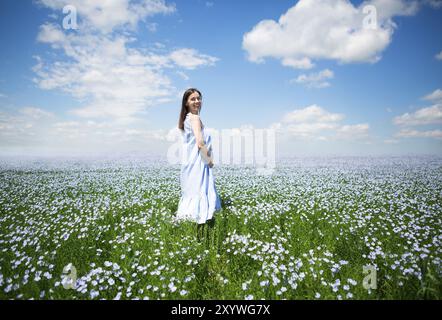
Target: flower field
x,y
317,228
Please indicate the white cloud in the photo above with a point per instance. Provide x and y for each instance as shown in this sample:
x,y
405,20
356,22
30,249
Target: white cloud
x,y
25,133
190,58
24,124
311,113
358,129
115,81
106,16
424,116
407,133
152,27
435,96
109,74
326,29
387,9
316,123
315,80
439,56
183,75
36,113
50,33
304,63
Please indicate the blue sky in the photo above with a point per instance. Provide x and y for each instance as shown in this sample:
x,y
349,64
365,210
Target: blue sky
x,y
115,82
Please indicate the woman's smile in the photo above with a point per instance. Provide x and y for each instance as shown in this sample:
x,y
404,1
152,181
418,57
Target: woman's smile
x,y
194,103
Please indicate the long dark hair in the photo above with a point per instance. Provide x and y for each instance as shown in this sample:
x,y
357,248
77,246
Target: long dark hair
x,y
184,109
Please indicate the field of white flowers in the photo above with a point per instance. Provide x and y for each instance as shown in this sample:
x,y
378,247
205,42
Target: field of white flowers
x,y
104,230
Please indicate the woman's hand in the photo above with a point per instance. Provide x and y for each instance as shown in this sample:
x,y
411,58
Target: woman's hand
x,y
211,164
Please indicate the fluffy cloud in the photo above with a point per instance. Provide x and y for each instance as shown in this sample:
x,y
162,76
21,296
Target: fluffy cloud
x,y
311,113
439,56
424,116
353,131
327,29
36,131
407,133
190,59
316,123
104,70
105,16
435,96
113,80
36,113
315,80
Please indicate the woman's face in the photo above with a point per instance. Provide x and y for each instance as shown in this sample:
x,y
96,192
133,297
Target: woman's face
x,y
194,103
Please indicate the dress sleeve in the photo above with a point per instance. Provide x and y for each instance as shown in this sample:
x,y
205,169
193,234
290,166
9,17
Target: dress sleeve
x,y
196,127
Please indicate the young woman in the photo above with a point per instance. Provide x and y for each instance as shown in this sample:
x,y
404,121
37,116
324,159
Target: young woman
x,y
199,198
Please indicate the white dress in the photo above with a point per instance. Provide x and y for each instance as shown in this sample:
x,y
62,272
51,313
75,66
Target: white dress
x,y
199,198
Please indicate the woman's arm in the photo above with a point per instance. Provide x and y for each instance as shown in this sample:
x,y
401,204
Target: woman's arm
x,y
196,127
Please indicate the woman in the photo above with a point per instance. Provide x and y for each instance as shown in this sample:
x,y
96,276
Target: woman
x,y
199,198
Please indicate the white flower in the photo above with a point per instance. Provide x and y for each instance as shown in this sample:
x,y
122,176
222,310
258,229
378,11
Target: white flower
x,y
172,287
264,283
275,280
317,295
249,297
94,294
183,292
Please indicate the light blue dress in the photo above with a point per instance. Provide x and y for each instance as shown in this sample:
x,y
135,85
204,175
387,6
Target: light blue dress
x,y
199,198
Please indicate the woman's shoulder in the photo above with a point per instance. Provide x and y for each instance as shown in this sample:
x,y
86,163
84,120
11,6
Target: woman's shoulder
x,y
192,116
